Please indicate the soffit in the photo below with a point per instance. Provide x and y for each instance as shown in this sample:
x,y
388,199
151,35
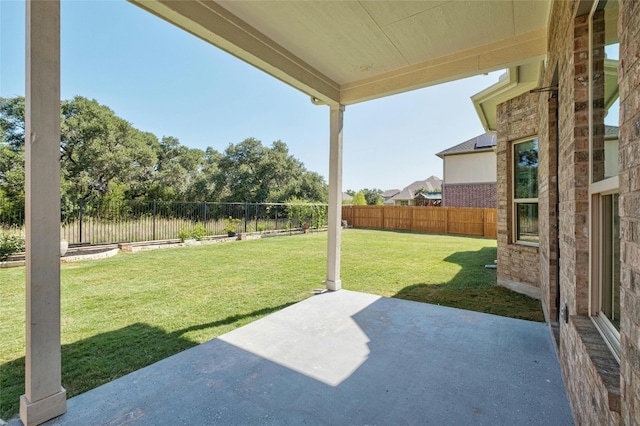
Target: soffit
x,y
350,51
516,81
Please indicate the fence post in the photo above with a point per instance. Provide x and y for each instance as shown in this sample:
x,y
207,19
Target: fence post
x,y
246,213
256,207
154,221
80,204
446,220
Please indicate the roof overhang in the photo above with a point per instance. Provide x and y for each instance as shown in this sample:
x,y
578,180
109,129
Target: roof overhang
x,y
355,50
516,81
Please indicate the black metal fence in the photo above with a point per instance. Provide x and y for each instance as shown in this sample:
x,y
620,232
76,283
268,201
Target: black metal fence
x,y
132,221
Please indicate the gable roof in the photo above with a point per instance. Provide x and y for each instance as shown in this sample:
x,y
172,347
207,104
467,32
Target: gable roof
x,y
431,184
484,142
390,193
405,194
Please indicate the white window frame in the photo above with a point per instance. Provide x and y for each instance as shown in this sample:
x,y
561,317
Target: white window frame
x,y
597,190
609,332
515,201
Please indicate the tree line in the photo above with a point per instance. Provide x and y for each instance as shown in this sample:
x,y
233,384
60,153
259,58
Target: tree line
x,y
103,157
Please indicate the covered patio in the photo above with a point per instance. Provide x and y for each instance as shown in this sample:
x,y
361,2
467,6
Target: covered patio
x,y
347,358
338,53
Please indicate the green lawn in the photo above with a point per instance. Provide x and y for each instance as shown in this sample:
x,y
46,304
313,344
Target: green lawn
x,y
128,311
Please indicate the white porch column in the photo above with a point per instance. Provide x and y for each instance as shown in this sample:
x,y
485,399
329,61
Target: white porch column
x,y
333,281
44,396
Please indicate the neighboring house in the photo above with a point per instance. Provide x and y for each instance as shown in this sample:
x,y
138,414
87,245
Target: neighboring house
x,y
389,193
428,199
406,197
470,173
346,198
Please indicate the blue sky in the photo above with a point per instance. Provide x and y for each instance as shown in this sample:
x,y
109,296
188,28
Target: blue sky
x,y
171,83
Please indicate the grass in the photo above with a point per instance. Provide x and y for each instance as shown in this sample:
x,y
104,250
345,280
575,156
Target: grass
x,y
123,313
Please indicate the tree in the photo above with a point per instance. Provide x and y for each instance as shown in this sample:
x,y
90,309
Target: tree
x,y
103,157
251,172
101,153
12,150
373,196
359,199
12,122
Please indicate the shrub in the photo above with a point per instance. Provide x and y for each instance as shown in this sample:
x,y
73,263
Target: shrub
x,y
303,212
231,224
11,242
196,232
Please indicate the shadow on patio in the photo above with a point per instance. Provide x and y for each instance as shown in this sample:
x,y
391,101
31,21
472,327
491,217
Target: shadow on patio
x,y
102,358
347,358
468,289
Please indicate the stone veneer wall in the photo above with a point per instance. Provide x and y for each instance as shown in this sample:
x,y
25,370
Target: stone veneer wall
x,y
629,160
479,195
516,119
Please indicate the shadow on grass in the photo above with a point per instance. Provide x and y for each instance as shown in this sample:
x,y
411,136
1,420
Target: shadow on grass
x,y
474,288
104,357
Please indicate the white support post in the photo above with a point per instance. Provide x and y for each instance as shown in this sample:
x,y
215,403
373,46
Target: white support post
x,y
44,396
333,281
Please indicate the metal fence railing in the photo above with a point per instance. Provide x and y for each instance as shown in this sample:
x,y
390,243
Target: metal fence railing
x,y
104,222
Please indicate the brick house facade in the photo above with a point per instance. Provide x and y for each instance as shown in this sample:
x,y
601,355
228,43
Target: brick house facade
x,y
578,256
470,173
480,195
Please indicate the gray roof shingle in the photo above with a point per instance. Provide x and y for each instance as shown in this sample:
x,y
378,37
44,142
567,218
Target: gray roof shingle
x,y
483,142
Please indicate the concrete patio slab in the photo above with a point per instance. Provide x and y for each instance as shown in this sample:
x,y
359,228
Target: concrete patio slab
x,y
347,358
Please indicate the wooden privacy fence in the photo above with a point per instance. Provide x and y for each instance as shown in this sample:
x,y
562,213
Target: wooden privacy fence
x,y
437,220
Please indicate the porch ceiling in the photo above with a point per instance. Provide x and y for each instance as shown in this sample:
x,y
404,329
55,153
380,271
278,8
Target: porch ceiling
x,y
355,50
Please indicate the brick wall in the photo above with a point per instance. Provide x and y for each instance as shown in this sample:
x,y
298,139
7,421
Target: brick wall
x,y
481,195
547,201
629,160
600,390
516,119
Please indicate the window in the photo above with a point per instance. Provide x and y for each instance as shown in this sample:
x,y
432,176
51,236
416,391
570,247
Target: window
x,y
525,191
605,96
605,274
604,107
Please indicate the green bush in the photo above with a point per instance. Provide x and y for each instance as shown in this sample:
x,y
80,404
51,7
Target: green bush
x,y
11,242
196,232
231,224
303,212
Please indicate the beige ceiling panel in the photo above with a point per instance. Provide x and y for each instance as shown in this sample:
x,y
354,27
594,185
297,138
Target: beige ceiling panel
x,y
520,49
338,37
407,79
461,64
389,12
530,15
451,27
